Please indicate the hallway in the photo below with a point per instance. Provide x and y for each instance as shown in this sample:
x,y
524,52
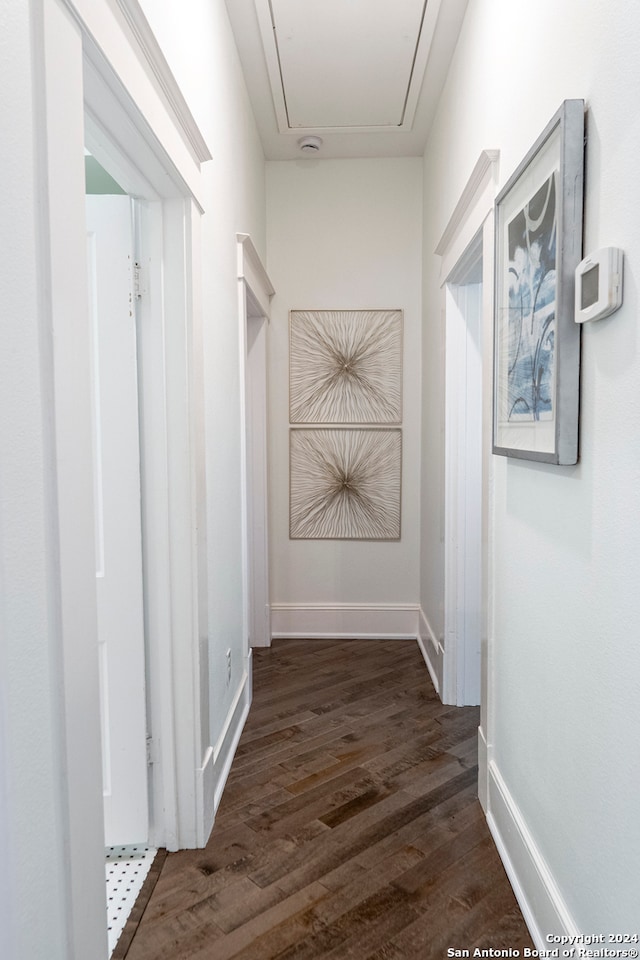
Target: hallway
x,y
349,827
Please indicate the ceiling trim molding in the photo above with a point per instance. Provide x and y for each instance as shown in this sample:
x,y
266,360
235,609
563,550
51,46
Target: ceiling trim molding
x,y
270,47
485,168
269,37
419,67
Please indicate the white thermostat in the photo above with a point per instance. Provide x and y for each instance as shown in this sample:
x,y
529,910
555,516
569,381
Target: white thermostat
x,y
599,284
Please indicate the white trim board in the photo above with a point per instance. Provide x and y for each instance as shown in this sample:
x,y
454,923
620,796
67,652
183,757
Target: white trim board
x,y
464,501
483,782
475,202
251,269
150,50
361,621
486,168
148,101
214,772
541,902
432,651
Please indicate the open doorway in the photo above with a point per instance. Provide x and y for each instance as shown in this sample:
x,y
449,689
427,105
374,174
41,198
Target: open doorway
x,y
165,337
95,88
466,273
463,479
254,296
117,506
113,316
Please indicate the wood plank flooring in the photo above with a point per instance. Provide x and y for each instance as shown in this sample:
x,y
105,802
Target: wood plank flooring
x,y
349,829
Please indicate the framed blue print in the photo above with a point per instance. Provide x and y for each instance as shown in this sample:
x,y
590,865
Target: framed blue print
x,y
538,217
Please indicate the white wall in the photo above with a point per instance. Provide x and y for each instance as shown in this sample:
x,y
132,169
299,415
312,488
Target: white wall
x,y
33,917
201,53
343,234
564,716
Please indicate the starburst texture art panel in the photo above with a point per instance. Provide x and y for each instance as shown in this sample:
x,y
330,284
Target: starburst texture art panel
x,y
345,484
346,366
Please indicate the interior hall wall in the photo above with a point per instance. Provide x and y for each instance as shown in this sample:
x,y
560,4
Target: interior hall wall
x,y
202,55
34,890
564,661
343,234
41,915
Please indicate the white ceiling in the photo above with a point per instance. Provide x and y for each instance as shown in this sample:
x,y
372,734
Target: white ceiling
x,y
365,75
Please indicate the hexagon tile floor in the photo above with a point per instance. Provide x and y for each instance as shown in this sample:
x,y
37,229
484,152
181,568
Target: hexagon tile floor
x,y
126,871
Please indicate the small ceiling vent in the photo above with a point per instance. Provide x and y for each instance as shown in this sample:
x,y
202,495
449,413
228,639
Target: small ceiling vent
x,y
310,145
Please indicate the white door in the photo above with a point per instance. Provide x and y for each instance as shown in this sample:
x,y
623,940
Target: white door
x,y
117,519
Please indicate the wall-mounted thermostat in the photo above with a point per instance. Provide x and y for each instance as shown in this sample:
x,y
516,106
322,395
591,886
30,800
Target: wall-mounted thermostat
x,y
599,284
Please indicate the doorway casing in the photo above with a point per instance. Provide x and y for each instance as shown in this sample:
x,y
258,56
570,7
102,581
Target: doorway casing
x,y
173,493
255,291
467,238
463,478
140,129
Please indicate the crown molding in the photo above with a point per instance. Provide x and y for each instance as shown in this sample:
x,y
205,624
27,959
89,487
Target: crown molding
x,y
153,56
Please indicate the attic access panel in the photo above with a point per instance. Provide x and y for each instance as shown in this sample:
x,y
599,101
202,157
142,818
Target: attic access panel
x,y
346,64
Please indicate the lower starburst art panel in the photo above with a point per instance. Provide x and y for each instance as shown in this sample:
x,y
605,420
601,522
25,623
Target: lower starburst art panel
x,y
345,484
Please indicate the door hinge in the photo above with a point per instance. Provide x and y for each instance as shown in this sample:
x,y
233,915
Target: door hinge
x,y
138,278
153,751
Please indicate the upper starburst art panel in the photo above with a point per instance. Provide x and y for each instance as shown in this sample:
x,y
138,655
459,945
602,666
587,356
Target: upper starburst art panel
x,y
346,366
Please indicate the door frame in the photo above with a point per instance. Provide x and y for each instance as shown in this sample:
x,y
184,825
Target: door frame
x,y
473,218
255,291
101,61
173,485
463,479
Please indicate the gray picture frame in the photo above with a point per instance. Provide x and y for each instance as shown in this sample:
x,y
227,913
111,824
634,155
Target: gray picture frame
x,y
538,245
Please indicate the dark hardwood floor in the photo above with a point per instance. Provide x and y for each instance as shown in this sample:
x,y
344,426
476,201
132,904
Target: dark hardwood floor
x,y
349,829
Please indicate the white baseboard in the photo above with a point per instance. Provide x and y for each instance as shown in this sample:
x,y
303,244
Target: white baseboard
x,y
212,775
345,621
483,773
431,650
541,902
